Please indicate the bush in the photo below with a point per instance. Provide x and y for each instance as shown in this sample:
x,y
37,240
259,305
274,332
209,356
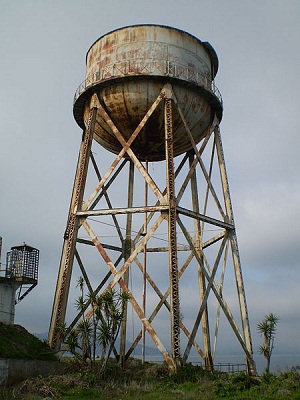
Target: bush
x,y
188,373
230,385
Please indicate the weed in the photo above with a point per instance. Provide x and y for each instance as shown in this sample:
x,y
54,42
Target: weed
x,y
152,382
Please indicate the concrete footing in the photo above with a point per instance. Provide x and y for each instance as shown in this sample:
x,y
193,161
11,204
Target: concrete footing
x,y
13,371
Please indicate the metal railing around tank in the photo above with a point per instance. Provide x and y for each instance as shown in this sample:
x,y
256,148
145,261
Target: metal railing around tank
x,y
150,68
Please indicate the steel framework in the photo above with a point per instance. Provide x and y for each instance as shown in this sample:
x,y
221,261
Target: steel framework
x,y
193,204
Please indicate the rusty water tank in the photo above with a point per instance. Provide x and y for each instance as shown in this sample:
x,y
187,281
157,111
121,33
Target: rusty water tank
x,y
129,66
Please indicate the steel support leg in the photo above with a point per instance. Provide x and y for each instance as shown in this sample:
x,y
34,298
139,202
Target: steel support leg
x,y
208,364
173,267
127,248
236,258
67,257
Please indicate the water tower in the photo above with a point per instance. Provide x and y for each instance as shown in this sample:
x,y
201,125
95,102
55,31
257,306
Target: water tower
x,y
21,276
152,214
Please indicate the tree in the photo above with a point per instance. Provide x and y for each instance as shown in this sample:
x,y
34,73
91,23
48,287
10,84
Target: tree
x,y
267,329
112,305
103,326
96,315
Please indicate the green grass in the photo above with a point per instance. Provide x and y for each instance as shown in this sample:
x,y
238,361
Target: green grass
x,y
16,342
152,382
139,381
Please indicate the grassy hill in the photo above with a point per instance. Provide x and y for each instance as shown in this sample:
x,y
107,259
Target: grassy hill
x,y
17,342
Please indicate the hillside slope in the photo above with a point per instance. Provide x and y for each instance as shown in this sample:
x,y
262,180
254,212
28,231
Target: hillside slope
x,y
17,342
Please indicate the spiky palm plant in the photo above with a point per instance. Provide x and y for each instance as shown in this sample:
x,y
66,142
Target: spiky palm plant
x,y
267,329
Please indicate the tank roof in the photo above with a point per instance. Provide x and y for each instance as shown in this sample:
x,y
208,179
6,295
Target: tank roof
x,y
208,47
22,246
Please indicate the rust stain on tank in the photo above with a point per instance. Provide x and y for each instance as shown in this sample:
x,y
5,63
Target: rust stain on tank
x,y
129,67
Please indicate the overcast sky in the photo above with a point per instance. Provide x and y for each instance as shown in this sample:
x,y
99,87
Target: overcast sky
x,y
43,46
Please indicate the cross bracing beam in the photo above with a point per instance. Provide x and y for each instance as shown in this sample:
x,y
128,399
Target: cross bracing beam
x,y
175,205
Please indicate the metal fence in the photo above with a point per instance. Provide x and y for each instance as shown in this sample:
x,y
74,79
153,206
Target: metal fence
x,y
230,368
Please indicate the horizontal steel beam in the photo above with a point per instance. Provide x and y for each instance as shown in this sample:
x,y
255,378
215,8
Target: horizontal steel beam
x,y
105,246
180,210
114,211
204,218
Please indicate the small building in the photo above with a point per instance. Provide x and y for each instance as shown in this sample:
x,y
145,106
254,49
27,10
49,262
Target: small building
x,y
21,276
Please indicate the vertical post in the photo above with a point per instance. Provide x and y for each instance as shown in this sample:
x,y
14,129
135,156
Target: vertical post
x,y
172,234
0,253
235,252
208,364
145,269
127,248
70,236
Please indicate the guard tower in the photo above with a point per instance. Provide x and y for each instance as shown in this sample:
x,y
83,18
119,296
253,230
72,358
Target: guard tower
x,y
153,215
21,276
